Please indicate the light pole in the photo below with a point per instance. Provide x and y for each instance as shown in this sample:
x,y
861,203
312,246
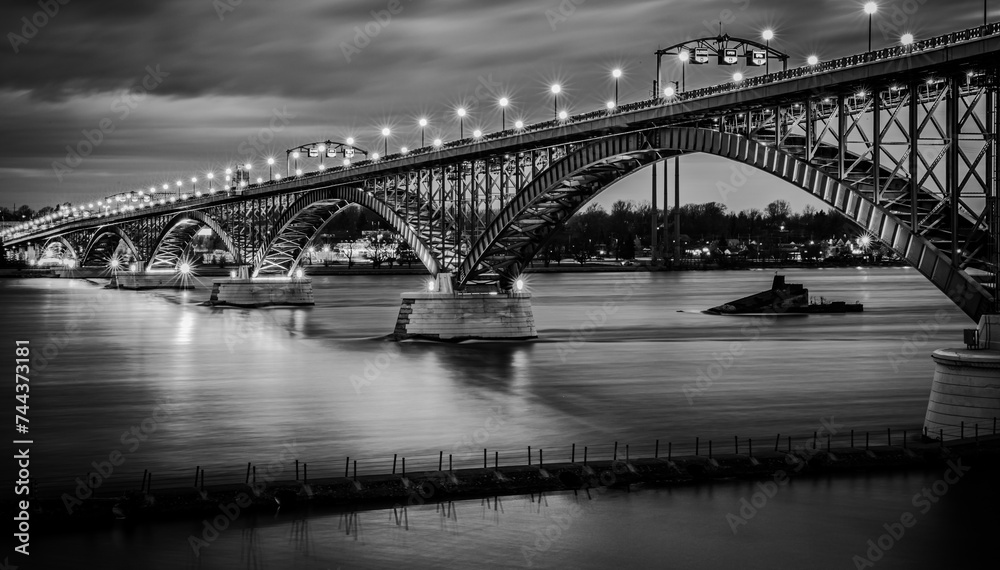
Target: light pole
x,y
684,56
768,36
423,125
270,169
503,113
617,73
670,90
555,89
870,9
461,122
210,176
179,183
194,179
385,139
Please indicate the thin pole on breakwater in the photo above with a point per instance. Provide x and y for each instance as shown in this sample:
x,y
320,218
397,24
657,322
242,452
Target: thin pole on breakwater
x,y
305,473
656,450
347,466
777,441
615,456
393,463
585,456
496,461
247,481
197,468
572,454
440,460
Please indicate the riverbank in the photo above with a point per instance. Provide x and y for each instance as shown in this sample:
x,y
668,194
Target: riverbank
x,y
388,490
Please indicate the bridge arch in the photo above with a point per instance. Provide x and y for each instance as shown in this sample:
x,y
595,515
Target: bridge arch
x,y
61,240
303,220
174,242
105,242
539,211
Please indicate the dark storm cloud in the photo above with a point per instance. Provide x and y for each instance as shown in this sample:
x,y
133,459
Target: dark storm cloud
x,y
341,68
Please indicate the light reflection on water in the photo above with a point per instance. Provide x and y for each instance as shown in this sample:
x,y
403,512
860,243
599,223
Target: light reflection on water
x,y
242,384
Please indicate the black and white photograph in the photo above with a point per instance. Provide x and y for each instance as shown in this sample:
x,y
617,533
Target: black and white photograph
x,y
541,284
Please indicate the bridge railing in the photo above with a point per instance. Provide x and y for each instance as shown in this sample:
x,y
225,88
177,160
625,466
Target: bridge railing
x,y
850,61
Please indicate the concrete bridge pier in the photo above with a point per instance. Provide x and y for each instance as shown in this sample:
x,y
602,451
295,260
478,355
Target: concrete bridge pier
x,y
965,395
441,313
241,290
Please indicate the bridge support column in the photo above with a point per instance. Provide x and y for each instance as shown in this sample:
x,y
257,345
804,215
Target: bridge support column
x,y
966,389
263,292
444,314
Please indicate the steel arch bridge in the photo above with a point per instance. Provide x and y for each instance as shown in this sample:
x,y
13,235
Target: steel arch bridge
x,y
902,141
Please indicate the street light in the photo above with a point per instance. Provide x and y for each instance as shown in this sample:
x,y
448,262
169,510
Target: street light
x,y
503,112
193,180
737,77
423,125
563,115
179,187
209,176
555,89
477,133
906,39
768,36
616,73
870,9
812,60
461,122
438,143
519,124
684,56
610,105
385,139
270,169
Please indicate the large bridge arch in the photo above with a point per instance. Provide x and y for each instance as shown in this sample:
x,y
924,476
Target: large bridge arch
x,y
104,243
539,211
303,220
174,242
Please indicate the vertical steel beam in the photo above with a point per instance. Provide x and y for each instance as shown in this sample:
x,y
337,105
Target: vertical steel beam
x,y
877,144
841,134
652,215
952,129
914,156
810,129
677,211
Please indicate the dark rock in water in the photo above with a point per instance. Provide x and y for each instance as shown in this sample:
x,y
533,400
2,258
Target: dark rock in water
x,y
570,480
782,298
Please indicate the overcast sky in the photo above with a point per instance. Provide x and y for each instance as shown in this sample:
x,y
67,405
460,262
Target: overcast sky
x,y
182,87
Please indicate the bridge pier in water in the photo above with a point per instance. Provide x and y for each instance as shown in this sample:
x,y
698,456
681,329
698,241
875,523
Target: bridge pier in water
x,y
241,290
965,397
441,313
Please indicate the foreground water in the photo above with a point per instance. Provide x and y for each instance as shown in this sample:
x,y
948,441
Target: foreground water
x,y
618,359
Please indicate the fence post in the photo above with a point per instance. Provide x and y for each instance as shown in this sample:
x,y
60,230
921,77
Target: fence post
x,y
529,455
656,450
440,460
347,466
197,468
393,463
449,463
305,473
356,469
615,456
404,467
484,457
296,469
814,440
585,456
248,474
777,441
541,459
496,460
572,454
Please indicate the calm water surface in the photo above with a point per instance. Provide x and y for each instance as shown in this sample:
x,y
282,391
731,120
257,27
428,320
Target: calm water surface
x,y
617,359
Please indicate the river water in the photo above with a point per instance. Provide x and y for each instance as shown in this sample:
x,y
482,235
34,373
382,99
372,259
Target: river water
x,y
618,359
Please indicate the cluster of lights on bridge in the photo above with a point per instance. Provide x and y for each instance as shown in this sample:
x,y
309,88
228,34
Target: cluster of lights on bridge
x,y
239,177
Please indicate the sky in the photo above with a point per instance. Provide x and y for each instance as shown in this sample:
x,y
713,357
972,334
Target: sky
x,y
123,95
